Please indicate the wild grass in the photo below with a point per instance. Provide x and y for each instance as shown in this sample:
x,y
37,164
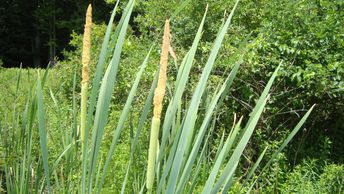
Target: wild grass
x,y
177,154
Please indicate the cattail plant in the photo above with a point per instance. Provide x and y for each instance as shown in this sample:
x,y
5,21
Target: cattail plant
x,y
185,132
158,101
86,49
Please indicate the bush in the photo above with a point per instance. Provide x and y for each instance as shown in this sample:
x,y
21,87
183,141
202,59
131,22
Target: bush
x,y
310,177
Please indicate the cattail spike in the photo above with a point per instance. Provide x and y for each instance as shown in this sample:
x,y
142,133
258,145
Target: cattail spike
x,y
161,86
86,50
86,45
158,100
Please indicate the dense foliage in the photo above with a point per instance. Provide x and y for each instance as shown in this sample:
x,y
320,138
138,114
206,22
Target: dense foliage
x,y
306,35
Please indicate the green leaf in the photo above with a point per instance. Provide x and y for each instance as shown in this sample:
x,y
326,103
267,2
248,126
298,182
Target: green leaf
x,y
188,127
123,117
42,132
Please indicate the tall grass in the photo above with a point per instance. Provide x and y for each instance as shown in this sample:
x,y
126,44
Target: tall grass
x,y
177,160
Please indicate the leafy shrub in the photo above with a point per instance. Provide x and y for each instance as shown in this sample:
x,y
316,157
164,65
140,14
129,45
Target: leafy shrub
x,y
308,177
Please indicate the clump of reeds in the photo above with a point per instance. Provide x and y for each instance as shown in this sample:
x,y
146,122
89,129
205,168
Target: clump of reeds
x,y
158,100
180,155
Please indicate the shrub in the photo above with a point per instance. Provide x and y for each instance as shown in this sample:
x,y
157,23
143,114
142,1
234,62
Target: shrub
x,y
310,177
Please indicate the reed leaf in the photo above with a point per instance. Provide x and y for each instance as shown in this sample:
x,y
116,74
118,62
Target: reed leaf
x,y
42,132
104,98
185,141
123,117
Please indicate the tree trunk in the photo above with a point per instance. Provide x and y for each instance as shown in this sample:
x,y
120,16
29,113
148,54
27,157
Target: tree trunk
x,y
36,50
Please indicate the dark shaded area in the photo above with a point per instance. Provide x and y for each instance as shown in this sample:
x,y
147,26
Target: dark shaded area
x,y
34,32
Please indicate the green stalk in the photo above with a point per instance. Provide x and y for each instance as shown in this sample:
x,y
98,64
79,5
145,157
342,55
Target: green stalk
x,y
153,144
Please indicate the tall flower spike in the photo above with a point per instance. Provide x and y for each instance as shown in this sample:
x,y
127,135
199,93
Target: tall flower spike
x,y
86,50
161,87
86,45
158,100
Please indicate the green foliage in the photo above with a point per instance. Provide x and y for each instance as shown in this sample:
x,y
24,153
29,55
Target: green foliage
x,y
309,178
308,38
306,35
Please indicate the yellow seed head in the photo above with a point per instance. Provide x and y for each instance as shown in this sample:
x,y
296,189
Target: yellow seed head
x,y
161,86
86,45
86,50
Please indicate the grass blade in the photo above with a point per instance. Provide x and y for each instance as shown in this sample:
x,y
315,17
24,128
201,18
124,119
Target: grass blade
x,y
94,91
174,104
201,132
234,159
105,94
224,151
123,117
185,141
255,166
284,144
42,132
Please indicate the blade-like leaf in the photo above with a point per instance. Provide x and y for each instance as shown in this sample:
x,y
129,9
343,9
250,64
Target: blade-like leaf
x,y
229,170
195,149
123,117
173,105
95,87
142,120
42,132
229,142
188,128
284,144
104,98
255,166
